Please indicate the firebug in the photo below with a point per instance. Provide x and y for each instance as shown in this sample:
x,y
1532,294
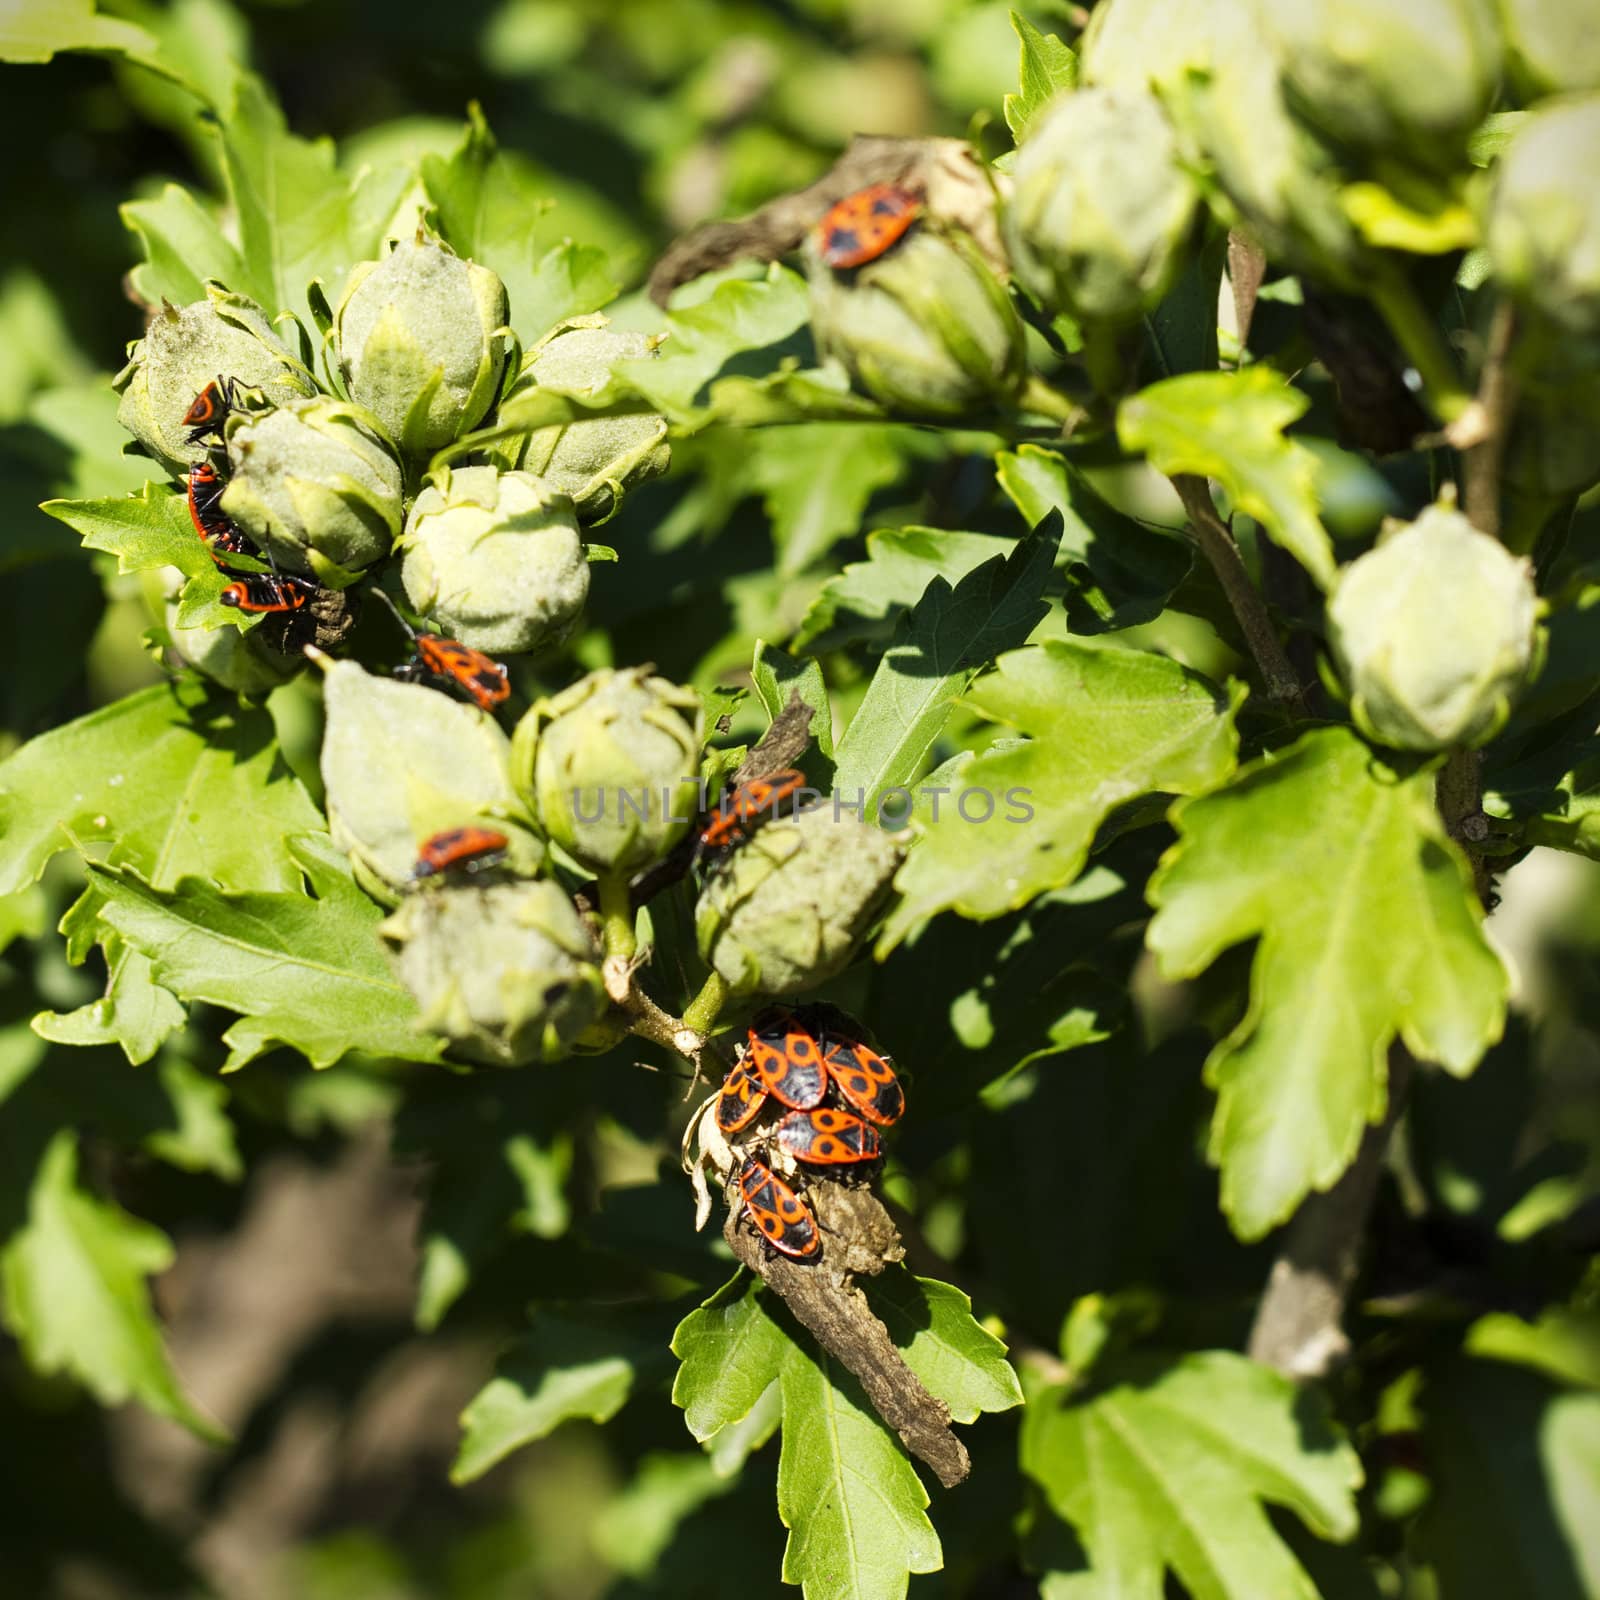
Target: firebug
x,y
747,806
786,1059
212,406
268,591
221,538
740,1099
454,665
863,225
472,849
782,1217
828,1137
865,1079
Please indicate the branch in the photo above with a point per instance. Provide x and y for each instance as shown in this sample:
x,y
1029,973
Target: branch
x,y
1216,544
1497,398
1299,1324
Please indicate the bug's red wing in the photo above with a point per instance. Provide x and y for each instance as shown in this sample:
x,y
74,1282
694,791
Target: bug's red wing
x,y
788,1063
782,1217
829,1137
741,1098
867,1081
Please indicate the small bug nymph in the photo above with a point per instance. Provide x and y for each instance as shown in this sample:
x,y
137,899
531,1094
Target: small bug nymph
x,y
863,225
469,849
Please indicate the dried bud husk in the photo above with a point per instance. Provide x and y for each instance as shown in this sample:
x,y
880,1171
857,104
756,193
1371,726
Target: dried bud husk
x,y
927,329
506,972
184,349
1407,81
611,767
234,657
422,342
792,904
1101,212
402,762
496,559
314,485
1553,46
593,460
1543,233
1436,632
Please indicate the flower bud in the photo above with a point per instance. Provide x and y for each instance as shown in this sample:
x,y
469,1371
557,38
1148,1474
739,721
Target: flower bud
x,y
1435,631
1408,82
926,329
422,342
611,767
402,762
596,459
313,484
223,336
792,904
495,558
1100,212
1553,45
237,658
1543,232
506,972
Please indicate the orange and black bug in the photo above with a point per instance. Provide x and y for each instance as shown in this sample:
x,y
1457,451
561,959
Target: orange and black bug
x,y
786,1060
740,1099
219,535
746,806
864,224
865,1079
268,591
783,1218
211,408
480,678
827,1137
471,849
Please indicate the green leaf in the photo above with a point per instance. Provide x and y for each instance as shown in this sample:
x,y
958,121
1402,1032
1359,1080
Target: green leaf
x,y
147,531
1105,727
1170,1467
737,316
1047,68
1229,426
1368,928
956,1358
1515,1464
488,208
299,217
777,675
35,30
635,1527
1125,572
940,646
73,1276
815,480
183,245
1182,330
1429,223
901,562
854,1507
304,972
732,1353
583,1362
177,780
1564,1343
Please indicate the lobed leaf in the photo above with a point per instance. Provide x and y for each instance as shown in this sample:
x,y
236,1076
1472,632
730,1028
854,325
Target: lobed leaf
x,y
1105,726
1369,929
1047,68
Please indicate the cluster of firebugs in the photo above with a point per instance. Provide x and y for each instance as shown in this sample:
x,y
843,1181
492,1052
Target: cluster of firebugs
x,y
807,1059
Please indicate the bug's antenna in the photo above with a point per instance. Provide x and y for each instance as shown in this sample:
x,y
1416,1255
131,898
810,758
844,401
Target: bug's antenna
x,y
394,611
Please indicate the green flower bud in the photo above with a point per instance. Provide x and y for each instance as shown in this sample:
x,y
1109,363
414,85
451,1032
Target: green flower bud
x,y
596,459
506,972
237,658
611,767
422,342
1407,81
1543,232
927,329
793,903
223,336
314,485
495,558
1553,45
1101,212
1435,631
402,762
